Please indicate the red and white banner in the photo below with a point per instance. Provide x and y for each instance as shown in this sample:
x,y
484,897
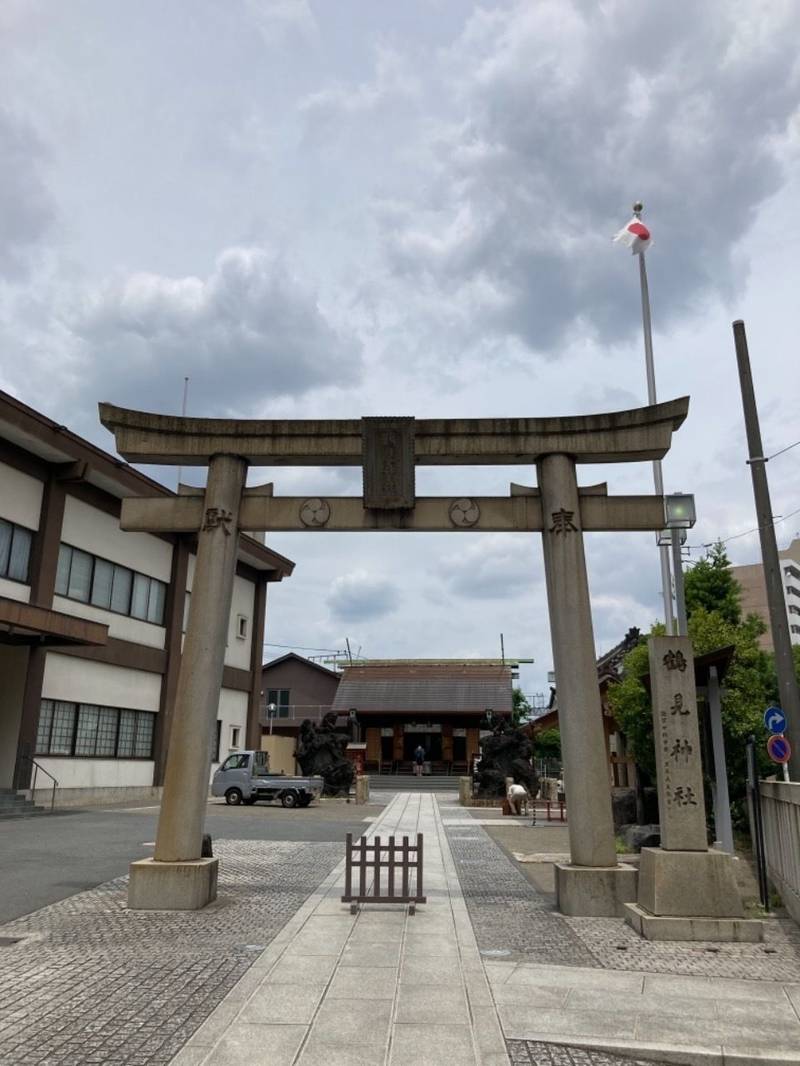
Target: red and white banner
x,y
635,236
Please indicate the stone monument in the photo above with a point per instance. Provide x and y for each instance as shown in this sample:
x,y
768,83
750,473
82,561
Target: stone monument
x,y
686,890
506,753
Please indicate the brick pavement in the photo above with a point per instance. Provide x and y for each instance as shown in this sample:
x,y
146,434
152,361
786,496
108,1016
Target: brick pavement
x,y
513,920
535,1053
92,983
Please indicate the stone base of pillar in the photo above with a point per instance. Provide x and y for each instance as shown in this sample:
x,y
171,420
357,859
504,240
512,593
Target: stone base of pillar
x,y
688,884
172,886
362,789
465,791
594,891
724,930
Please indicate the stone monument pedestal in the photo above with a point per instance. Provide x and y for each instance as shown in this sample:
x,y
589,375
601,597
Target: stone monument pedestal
x,y
172,886
594,891
689,895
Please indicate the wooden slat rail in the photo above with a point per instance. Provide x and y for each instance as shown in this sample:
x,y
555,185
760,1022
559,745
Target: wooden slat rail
x,y
364,857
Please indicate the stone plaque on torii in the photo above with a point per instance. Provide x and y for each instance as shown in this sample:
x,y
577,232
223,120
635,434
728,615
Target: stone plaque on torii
x,y
389,450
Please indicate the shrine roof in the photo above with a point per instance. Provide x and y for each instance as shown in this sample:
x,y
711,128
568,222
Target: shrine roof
x,y
432,688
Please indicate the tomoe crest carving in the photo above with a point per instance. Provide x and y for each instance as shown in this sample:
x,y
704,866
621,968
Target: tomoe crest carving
x,y
315,512
464,512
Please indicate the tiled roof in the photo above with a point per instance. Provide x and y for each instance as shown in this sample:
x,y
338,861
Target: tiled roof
x,y
425,689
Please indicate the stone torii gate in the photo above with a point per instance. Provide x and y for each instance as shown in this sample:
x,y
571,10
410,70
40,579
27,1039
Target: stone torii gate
x,y
389,449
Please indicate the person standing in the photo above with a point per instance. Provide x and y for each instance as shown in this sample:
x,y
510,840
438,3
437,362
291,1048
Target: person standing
x,y
419,759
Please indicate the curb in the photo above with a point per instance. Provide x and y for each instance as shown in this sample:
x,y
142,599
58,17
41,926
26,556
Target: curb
x,y
713,1055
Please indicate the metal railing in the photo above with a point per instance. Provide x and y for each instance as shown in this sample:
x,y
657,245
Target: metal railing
x,y
36,768
780,820
297,712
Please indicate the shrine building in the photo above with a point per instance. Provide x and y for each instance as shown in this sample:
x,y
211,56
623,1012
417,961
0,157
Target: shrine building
x,y
444,705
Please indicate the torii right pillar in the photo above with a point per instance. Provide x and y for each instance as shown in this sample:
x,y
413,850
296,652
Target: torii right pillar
x,y
593,883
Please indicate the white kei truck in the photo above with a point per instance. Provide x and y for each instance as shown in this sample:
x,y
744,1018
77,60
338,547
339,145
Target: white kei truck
x,y
245,777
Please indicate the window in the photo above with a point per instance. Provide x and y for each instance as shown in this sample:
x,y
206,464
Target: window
x,y
241,626
235,731
15,551
86,737
280,697
86,730
89,579
791,571
236,762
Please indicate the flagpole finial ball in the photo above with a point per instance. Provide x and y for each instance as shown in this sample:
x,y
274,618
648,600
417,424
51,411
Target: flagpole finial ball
x,y
638,207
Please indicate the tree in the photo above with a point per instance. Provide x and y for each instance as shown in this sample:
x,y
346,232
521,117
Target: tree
x,y
547,744
520,708
747,688
711,586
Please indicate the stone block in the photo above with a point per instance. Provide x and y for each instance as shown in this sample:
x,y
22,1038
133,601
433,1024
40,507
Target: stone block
x,y
362,789
722,930
465,791
688,884
172,886
637,837
594,891
623,807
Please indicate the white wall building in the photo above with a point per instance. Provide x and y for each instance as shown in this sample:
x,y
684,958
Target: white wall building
x,y
754,591
92,621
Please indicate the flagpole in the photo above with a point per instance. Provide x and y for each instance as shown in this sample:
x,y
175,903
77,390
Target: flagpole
x,y
658,481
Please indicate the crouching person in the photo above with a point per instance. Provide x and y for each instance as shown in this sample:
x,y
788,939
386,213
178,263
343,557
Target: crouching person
x,y
518,797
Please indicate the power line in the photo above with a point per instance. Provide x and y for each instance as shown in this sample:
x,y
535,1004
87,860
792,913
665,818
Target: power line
x,y
747,532
788,448
299,647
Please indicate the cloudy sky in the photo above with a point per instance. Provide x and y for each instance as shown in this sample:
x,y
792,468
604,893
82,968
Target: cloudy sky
x,y
341,207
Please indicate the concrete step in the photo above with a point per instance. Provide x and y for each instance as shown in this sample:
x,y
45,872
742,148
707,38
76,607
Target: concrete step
x,y
21,812
410,783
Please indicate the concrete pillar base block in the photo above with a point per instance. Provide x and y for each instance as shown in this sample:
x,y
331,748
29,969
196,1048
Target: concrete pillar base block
x,y
172,886
722,930
688,884
594,891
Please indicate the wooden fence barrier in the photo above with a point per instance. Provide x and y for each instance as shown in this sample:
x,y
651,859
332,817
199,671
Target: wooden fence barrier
x,y
368,859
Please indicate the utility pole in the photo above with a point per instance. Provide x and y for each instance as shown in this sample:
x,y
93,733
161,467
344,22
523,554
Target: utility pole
x,y
770,560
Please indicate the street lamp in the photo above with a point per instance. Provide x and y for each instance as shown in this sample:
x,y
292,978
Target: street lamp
x,y
489,713
272,710
352,715
679,516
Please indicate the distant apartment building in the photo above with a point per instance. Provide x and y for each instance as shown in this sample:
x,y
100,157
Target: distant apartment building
x,y
92,621
754,591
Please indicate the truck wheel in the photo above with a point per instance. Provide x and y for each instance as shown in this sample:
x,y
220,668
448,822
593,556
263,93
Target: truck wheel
x,y
305,801
249,802
290,799
233,797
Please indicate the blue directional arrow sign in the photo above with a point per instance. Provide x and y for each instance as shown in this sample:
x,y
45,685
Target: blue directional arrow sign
x,y
775,720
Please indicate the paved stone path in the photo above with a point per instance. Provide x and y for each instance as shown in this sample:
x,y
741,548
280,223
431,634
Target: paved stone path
x,y
379,987
594,983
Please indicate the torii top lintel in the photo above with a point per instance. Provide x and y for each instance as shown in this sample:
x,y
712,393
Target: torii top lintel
x,y
642,433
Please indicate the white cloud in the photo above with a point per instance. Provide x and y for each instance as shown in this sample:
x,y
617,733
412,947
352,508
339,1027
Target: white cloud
x,y
361,596
564,112
250,331
26,208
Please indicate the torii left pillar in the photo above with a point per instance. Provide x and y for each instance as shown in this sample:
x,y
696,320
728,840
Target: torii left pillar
x,y
178,877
